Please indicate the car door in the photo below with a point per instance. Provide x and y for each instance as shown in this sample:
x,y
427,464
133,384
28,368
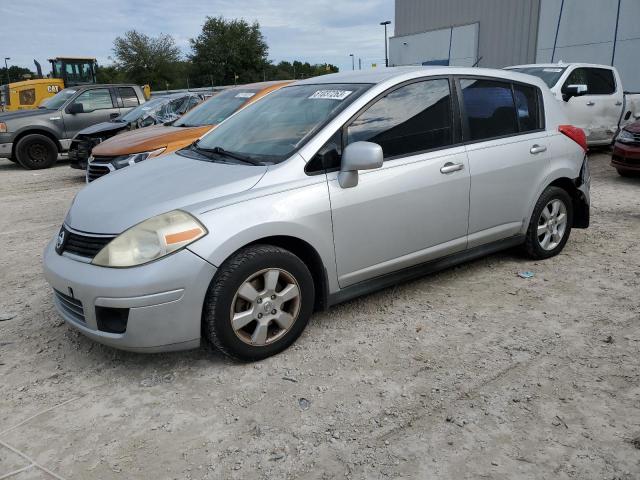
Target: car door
x,y
98,106
415,207
507,152
597,112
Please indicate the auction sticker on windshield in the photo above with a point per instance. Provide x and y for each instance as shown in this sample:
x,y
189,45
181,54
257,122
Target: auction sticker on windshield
x,y
331,94
245,95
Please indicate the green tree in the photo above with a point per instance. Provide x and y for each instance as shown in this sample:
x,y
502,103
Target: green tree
x,y
143,59
16,74
228,51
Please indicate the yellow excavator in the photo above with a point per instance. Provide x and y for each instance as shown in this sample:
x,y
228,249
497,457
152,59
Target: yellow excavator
x,y
65,72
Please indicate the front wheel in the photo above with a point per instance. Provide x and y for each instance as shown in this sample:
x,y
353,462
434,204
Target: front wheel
x,y
36,151
258,303
550,224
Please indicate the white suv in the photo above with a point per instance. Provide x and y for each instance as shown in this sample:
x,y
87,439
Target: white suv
x,y
321,191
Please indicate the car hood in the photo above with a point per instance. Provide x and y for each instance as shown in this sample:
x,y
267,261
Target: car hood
x,y
103,127
633,127
126,197
8,116
147,139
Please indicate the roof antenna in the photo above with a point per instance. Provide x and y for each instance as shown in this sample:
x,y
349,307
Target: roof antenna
x,y
477,62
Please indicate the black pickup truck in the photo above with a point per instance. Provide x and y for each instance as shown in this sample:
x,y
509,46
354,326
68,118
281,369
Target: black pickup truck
x,y
34,138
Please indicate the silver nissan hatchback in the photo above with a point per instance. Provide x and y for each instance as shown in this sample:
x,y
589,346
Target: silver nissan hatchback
x,y
324,190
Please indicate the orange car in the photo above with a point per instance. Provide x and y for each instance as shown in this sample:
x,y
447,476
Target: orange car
x,y
138,145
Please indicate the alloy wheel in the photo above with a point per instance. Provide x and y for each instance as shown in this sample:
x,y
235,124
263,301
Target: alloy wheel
x,y
265,306
552,224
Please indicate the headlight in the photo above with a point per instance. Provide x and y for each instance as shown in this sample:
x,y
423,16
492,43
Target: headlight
x,y
125,161
3,127
152,239
625,136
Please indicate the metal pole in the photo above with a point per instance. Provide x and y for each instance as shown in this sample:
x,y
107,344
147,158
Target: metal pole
x,y
359,64
353,61
386,52
6,67
555,40
615,35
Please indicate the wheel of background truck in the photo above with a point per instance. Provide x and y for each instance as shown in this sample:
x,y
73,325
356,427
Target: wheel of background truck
x,y
550,224
258,303
36,151
627,173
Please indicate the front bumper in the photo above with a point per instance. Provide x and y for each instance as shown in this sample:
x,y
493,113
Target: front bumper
x,y
164,299
5,150
626,157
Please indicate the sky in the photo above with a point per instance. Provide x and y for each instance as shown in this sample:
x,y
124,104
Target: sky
x,y
316,31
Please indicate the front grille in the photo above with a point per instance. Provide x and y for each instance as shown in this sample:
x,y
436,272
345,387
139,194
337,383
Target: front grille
x,y
95,171
71,306
84,245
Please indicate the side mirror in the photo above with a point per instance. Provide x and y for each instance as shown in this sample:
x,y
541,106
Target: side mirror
x,y
358,156
574,91
75,108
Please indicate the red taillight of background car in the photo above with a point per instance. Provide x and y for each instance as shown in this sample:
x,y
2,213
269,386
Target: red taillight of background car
x,y
576,134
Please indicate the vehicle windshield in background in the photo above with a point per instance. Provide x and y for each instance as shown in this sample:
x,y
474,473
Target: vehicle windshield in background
x,y
58,99
273,128
550,75
216,109
145,108
159,110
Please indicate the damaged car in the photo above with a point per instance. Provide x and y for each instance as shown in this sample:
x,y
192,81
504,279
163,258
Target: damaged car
x,y
162,110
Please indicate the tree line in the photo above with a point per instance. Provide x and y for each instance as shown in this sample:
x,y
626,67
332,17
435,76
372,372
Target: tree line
x,y
225,52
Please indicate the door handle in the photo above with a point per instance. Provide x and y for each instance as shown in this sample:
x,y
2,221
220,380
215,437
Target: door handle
x,y
618,103
590,103
451,167
114,115
538,149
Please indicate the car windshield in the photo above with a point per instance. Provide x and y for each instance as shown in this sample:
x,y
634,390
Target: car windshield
x,y
145,109
273,128
218,108
58,99
550,75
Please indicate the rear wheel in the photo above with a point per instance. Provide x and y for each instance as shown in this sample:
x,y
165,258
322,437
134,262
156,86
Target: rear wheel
x,y
627,173
550,224
259,302
36,151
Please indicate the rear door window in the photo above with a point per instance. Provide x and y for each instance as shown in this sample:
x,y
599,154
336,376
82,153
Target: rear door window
x,y
526,98
411,119
489,108
128,96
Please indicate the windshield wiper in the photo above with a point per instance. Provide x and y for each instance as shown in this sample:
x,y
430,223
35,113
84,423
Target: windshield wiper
x,y
226,153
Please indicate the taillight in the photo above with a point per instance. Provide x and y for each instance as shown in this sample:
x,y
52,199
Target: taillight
x,y
576,134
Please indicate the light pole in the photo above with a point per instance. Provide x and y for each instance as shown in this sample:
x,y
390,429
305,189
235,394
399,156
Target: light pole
x,y
353,61
7,68
386,56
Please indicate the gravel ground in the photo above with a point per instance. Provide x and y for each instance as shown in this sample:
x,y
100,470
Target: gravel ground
x,y
470,373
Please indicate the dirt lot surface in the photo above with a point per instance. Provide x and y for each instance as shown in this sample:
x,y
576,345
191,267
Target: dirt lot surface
x,y
471,373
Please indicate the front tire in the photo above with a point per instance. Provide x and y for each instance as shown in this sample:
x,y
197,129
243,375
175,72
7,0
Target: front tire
x,y
258,303
36,151
627,173
550,224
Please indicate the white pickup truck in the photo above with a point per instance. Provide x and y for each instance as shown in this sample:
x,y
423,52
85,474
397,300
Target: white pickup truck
x,y
593,95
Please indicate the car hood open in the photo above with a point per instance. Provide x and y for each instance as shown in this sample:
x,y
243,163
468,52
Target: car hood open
x,y
117,201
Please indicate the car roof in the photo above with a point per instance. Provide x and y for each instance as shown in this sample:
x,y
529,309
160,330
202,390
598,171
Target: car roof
x,y
561,65
381,75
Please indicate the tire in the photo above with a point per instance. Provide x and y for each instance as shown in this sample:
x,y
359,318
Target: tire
x,y
36,151
269,319
11,159
548,231
627,173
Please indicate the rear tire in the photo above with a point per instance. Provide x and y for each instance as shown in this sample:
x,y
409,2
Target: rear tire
x,y
258,303
627,173
36,151
550,224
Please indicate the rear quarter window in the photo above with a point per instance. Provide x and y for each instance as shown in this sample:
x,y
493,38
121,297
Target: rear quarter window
x,y
128,96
